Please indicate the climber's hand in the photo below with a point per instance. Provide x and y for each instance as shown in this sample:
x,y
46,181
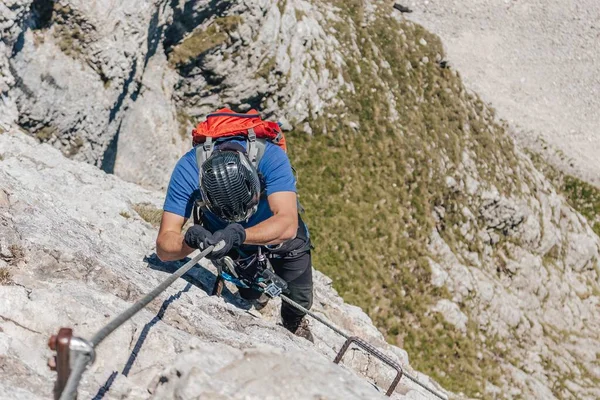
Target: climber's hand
x,y
224,240
195,237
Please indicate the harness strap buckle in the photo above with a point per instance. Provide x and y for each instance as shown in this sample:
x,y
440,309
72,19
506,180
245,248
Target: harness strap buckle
x,y
252,148
208,145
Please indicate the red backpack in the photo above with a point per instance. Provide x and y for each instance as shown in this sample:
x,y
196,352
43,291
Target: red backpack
x,y
225,123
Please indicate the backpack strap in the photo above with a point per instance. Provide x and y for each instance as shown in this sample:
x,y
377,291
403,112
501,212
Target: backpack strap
x,y
251,148
255,148
203,151
261,145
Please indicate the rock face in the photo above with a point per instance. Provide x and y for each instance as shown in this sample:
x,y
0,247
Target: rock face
x,y
75,79
77,254
535,298
112,84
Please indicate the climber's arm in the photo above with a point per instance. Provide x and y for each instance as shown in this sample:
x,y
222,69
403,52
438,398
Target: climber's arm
x,y
282,226
170,245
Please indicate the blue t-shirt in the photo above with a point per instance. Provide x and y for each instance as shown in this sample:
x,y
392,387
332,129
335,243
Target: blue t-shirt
x,y
184,188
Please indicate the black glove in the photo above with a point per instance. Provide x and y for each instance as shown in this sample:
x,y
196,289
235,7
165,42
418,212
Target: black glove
x,y
224,240
195,236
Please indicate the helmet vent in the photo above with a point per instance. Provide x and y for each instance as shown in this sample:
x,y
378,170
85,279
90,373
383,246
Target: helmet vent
x,y
230,185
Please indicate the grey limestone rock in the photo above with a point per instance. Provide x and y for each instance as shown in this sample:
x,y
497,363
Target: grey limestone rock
x,y
111,84
74,70
531,289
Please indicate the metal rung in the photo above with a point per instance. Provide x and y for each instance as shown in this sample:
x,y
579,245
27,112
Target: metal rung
x,y
372,350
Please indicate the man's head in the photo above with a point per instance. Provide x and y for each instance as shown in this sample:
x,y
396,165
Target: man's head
x,y
229,184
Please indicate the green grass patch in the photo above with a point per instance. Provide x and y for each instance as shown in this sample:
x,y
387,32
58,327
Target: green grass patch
x,y
370,192
74,146
17,251
266,68
452,356
202,40
69,29
281,4
582,196
45,133
5,276
149,213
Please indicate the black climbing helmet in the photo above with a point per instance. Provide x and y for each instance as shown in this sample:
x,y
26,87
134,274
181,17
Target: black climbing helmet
x,y
229,184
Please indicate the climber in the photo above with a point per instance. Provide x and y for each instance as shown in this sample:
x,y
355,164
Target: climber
x,y
238,184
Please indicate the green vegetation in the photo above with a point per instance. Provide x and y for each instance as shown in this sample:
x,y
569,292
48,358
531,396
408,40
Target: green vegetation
x,y
69,30
125,214
70,40
582,196
370,192
201,40
266,68
184,121
75,145
560,375
149,213
17,252
281,5
452,357
5,276
46,133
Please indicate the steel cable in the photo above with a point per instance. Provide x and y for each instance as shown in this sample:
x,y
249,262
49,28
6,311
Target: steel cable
x,y
82,360
70,390
144,301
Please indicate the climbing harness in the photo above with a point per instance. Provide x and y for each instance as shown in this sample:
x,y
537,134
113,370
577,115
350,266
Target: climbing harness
x,y
254,272
74,354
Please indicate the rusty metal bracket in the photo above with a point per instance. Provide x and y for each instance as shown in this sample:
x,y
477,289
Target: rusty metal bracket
x,y
60,363
372,350
68,348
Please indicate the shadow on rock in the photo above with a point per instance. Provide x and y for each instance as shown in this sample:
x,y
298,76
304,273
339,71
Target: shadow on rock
x,y
199,277
140,342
